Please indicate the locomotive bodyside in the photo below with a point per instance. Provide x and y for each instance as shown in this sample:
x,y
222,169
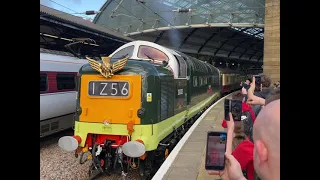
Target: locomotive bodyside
x,y
203,84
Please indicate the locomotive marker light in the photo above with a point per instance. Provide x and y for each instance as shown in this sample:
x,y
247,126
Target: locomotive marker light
x,y
69,143
134,149
106,122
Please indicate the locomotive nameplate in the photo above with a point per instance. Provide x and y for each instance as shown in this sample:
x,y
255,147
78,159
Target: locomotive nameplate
x,y
109,88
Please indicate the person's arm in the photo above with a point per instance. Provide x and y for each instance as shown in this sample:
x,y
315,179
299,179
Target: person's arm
x,y
233,168
244,153
230,125
252,99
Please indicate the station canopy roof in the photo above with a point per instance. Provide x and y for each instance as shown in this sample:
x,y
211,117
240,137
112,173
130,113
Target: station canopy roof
x,y
58,29
217,28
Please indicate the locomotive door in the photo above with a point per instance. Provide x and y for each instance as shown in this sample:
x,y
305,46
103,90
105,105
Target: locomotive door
x,y
181,85
188,78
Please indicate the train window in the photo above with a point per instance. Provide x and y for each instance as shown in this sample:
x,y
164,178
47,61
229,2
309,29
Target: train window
x,y
205,80
66,81
195,81
156,54
212,79
128,51
43,82
200,81
182,67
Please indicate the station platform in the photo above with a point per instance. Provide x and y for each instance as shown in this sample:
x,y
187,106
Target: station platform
x,y
187,160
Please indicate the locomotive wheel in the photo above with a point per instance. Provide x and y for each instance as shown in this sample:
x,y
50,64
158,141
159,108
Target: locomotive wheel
x,y
145,172
145,176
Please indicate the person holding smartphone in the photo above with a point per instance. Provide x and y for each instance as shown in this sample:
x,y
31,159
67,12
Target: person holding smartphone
x,y
249,115
245,86
267,147
252,98
240,147
264,83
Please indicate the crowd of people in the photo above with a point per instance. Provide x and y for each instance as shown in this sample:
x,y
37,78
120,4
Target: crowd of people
x,y
253,144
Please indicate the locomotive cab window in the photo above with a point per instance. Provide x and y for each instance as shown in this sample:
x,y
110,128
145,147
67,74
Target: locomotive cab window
x,y
182,67
205,81
43,82
147,52
200,81
195,81
66,81
128,51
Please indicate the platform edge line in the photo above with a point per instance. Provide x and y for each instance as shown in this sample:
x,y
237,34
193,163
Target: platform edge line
x,y
172,156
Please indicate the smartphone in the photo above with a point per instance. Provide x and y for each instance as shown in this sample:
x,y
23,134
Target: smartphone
x,y
226,109
233,106
258,80
216,148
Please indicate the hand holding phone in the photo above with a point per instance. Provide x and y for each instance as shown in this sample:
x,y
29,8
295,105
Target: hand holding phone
x,y
216,148
258,81
233,106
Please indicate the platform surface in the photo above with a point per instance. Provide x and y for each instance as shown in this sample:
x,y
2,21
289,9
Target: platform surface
x,y
189,163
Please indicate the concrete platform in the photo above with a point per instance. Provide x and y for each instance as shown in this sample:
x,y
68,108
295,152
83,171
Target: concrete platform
x,y
189,161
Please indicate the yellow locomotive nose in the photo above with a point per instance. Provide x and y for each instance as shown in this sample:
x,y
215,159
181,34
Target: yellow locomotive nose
x,y
114,100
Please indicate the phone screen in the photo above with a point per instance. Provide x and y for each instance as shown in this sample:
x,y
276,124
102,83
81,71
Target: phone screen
x,y
216,148
258,80
236,109
226,109
233,106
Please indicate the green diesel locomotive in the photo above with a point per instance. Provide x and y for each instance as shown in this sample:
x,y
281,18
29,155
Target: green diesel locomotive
x,y
135,105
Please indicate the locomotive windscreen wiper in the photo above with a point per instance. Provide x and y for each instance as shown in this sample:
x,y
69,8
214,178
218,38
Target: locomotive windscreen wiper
x,y
149,57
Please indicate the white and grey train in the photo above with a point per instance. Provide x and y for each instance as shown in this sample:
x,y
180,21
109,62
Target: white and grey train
x,y
58,89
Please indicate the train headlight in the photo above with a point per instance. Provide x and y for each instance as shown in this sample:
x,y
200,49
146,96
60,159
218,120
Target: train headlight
x,y
134,148
106,122
69,143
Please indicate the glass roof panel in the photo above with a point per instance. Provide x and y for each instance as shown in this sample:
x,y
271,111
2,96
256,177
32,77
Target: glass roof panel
x,y
133,16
